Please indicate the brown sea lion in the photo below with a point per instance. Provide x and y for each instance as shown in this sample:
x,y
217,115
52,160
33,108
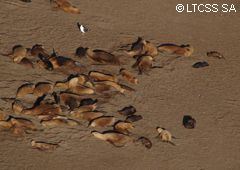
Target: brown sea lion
x,y
74,87
87,115
100,56
59,122
43,108
123,126
143,63
17,107
133,118
39,49
43,145
146,142
127,88
2,115
215,54
128,76
65,97
126,111
42,88
85,108
25,89
99,88
200,64
88,101
138,48
98,76
66,6
164,135
18,130
151,49
113,84
48,117
189,122
22,122
18,53
112,137
80,52
6,124
26,62
185,50
102,121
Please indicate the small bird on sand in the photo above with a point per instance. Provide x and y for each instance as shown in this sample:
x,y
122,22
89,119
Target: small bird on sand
x,y
82,28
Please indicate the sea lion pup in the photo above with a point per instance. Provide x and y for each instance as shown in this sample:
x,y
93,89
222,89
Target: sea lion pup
x,y
189,122
17,107
102,121
59,122
74,87
113,84
42,88
2,115
66,6
43,108
138,48
43,145
133,118
185,50
80,52
18,53
126,111
100,56
99,88
45,63
151,49
22,122
123,126
98,76
87,115
215,54
85,108
146,142
48,117
143,63
128,76
164,135
18,130
25,89
113,137
88,101
6,124
200,64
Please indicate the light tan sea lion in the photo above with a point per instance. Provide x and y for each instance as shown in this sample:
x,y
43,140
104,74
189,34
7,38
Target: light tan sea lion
x,y
113,84
133,118
42,88
151,50
66,6
146,142
143,63
18,53
25,89
112,137
127,88
127,111
39,49
123,126
48,117
164,135
74,87
185,50
21,122
6,124
87,115
98,76
43,145
138,48
99,88
59,122
43,109
82,78
2,115
17,107
102,121
62,84
85,108
100,56
18,130
128,76
215,54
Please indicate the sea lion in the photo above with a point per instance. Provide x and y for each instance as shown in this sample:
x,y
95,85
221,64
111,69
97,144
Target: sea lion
x,y
43,109
80,52
48,117
18,53
102,121
98,76
126,111
113,84
185,50
215,54
42,88
113,137
22,122
100,56
87,115
2,115
99,88
66,6
138,48
151,49
189,122
146,142
128,76
200,64
45,63
164,135
133,118
6,124
18,130
17,107
39,49
85,108
74,87
43,145
59,122
26,62
123,126
66,96
25,89
88,101
143,63
127,88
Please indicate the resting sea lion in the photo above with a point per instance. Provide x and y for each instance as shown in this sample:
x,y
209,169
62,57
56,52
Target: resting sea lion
x,y
80,52
189,122
143,63
66,6
43,145
43,109
59,122
151,50
18,53
21,122
185,50
87,115
133,118
98,76
128,76
123,126
102,121
2,115
6,124
25,89
146,142
17,107
18,130
126,111
164,135
42,88
74,87
48,117
113,84
138,48
85,108
215,54
99,88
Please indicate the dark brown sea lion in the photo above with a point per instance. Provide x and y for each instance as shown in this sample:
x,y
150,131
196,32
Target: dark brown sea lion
x,y
133,118
146,142
151,49
80,52
126,111
138,48
215,54
200,64
189,122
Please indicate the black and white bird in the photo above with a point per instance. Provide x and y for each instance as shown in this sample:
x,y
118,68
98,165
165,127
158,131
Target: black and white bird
x,y
82,28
